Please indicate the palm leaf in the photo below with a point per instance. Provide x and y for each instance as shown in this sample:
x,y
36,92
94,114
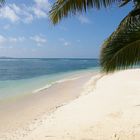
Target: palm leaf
x,y
2,2
124,2
122,49
63,8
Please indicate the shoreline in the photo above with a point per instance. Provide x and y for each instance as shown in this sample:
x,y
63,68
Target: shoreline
x,y
30,108
109,112
41,83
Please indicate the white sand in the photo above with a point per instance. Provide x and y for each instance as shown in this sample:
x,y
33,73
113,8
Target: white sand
x,y
110,111
22,115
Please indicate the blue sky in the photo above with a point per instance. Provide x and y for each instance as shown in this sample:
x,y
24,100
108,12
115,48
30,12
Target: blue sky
x,y
26,31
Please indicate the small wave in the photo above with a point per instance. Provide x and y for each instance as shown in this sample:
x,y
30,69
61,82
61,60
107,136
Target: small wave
x,y
68,79
53,83
43,88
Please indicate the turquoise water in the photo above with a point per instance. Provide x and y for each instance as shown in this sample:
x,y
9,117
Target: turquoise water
x,y
25,76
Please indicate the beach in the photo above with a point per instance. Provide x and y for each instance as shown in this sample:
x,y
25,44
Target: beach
x,y
17,114
75,79
102,107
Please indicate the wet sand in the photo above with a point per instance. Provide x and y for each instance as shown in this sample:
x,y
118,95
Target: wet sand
x,y
18,114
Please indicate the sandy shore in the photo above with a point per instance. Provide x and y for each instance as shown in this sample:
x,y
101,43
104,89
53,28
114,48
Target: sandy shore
x,y
17,115
109,110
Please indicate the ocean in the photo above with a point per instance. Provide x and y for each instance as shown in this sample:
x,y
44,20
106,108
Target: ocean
x,y
26,76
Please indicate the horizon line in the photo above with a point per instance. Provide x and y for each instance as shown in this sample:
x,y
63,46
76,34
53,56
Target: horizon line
x,y
5,57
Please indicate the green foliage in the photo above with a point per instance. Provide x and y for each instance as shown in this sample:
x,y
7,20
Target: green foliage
x,y
64,8
122,49
2,2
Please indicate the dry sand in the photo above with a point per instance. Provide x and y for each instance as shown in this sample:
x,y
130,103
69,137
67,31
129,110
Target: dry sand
x,y
109,110
16,115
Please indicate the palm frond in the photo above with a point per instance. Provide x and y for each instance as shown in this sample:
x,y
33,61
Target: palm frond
x,y
2,2
124,2
63,8
122,49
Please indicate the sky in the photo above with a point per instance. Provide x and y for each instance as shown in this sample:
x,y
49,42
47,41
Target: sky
x,y
27,32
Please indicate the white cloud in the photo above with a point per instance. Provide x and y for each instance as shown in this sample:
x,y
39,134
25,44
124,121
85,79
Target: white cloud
x,y
2,39
43,4
15,39
10,40
39,40
64,42
41,8
21,39
83,19
24,13
15,8
8,13
39,13
28,18
15,13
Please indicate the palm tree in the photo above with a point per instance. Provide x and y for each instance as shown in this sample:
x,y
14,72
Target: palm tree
x,y
122,49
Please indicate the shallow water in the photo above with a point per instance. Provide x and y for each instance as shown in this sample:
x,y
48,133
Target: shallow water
x,y
25,76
